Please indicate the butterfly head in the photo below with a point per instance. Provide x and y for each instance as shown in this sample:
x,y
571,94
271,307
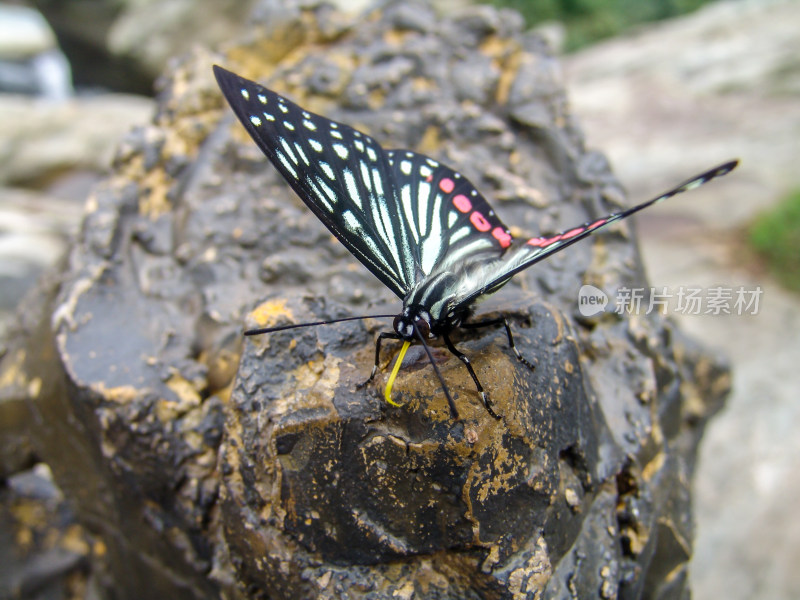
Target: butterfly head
x,y
413,317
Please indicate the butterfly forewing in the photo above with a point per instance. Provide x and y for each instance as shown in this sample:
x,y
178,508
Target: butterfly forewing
x,y
342,175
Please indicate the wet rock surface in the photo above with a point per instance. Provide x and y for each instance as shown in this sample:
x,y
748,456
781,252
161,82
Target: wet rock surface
x,y
208,466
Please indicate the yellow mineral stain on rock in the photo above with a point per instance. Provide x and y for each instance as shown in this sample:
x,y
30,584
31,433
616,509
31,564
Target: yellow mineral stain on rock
x,y
430,142
74,540
377,98
652,468
267,313
13,373
393,37
34,388
508,73
405,592
324,580
497,47
422,84
121,394
185,390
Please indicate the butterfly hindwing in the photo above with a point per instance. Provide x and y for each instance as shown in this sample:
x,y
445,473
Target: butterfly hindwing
x,y
446,216
525,253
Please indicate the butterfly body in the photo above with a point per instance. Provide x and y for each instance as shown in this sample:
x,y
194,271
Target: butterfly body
x,y
419,226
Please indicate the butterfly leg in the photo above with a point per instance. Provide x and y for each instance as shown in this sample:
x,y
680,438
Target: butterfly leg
x,y
463,358
384,335
504,322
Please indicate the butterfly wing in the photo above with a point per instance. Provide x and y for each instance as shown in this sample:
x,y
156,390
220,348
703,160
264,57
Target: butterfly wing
x,y
400,213
523,254
447,217
342,175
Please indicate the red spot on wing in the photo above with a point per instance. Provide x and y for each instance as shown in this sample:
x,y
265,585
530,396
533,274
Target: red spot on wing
x,y
542,242
462,203
502,236
598,223
447,185
572,233
479,221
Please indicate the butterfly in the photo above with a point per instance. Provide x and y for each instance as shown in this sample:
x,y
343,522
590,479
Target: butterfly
x,y
419,226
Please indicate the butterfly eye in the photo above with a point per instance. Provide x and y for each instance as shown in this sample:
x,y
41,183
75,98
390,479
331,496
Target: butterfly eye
x,y
422,326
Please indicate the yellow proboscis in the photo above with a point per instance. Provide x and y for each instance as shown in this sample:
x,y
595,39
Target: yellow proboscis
x,y
388,392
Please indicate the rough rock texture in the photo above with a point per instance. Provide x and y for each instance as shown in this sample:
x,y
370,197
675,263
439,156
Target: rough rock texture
x,y
207,466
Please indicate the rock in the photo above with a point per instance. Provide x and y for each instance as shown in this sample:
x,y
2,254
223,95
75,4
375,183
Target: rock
x,y
44,139
280,477
43,551
34,234
30,59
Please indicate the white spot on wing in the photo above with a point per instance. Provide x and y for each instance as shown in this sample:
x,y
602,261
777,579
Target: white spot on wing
x,y
321,197
405,167
388,237
423,192
286,164
328,171
245,94
352,187
262,98
405,196
255,121
371,153
365,175
350,221
288,125
341,151
328,191
309,125
359,145
289,151
301,153
268,116
315,145
432,246
336,135
376,176
461,233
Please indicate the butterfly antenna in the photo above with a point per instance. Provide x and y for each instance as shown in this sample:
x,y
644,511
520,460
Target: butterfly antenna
x,y
453,410
261,330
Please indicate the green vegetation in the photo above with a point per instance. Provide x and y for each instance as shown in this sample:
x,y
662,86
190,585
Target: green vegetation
x,y
776,237
590,20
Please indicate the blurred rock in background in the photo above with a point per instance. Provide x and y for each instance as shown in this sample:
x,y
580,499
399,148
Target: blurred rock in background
x,y
30,60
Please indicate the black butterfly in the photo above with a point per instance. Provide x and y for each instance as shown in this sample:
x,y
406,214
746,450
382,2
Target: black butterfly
x,y
419,226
